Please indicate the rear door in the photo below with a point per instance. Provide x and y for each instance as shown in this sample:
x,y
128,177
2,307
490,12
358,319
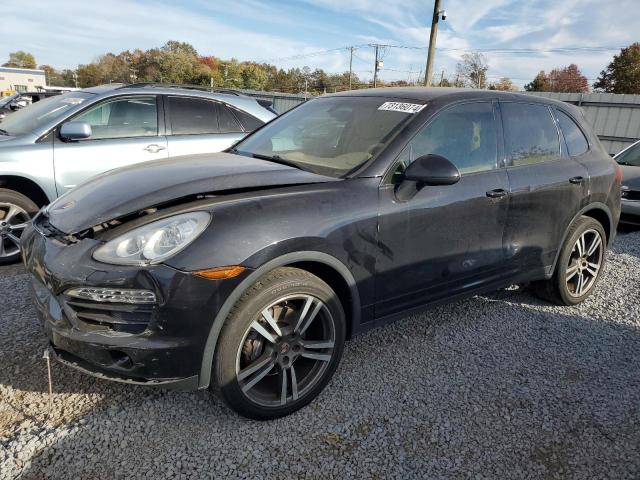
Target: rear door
x,y
125,130
548,187
199,125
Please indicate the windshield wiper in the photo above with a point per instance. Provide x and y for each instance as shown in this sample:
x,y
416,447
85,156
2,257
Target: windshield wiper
x,y
3,132
270,158
624,163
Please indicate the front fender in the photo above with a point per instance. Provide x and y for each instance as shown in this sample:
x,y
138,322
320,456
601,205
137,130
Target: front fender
x,y
287,259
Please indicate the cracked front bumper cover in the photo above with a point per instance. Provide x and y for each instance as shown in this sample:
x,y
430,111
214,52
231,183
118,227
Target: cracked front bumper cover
x,y
160,344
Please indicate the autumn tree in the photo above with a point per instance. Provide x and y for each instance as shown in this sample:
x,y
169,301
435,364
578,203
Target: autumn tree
x,y
623,73
568,80
472,70
539,84
562,79
21,59
504,84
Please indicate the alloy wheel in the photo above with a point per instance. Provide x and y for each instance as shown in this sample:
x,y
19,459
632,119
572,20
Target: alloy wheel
x,y
285,351
13,221
585,262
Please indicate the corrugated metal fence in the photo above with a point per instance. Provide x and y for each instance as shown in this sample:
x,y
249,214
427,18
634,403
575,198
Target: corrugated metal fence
x,y
614,118
281,101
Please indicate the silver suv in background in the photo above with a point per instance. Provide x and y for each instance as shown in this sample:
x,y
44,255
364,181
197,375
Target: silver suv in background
x,y
55,144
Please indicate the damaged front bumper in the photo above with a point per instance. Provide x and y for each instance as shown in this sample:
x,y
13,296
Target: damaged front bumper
x,y
159,343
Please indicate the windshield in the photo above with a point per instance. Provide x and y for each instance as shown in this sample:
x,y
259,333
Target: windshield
x,y
40,113
331,135
631,156
6,100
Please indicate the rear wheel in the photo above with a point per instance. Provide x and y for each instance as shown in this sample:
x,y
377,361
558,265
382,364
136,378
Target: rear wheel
x,y
579,266
280,345
15,212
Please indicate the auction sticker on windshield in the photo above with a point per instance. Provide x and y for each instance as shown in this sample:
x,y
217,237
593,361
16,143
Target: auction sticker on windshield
x,y
402,107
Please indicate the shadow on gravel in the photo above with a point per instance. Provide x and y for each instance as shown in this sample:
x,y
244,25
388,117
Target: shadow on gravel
x,y
476,386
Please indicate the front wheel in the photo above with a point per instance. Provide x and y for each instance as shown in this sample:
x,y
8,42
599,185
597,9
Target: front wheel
x,y
580,264
15,212
280,344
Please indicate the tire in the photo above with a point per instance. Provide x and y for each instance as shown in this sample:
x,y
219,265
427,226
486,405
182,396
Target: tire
x,y
305,352
15,211
563,288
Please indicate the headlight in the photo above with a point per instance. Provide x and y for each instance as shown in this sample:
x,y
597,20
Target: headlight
x,y
155,242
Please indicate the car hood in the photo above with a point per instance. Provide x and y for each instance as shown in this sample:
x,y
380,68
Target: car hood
x,y
631,177
127,190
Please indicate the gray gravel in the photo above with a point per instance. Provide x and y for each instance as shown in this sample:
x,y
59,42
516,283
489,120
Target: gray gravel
x,y
498,386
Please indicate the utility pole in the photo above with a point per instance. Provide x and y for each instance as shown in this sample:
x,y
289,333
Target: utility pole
x,y
432,43
441,77
375,68
350,65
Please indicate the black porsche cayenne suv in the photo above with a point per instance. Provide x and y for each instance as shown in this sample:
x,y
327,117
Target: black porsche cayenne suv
x,y
246,271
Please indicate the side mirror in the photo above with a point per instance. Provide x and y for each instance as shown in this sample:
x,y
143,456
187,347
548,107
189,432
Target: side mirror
x,y
432,170
75,131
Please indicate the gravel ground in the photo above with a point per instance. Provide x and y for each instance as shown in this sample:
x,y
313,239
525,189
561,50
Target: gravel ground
x,y
498,386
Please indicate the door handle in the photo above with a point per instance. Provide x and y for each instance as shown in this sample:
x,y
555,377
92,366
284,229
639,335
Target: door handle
x,y
576,180
497,193
153,148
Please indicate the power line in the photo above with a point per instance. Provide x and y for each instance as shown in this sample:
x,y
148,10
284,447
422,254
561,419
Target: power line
x,y
446,49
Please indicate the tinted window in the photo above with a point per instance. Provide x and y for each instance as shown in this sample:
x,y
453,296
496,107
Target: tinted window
x,y
631,156
464,134
123,117
228,122
191,116
576,142
530,133
249,122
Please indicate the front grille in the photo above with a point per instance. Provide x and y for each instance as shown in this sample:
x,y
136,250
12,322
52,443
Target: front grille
x,y
92,316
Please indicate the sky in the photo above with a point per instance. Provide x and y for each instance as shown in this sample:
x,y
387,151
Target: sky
x,y
316,33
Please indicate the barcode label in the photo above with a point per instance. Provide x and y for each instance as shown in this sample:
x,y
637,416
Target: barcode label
x,y
402,107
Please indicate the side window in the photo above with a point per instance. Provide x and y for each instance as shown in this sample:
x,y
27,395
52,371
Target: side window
x,y
192,116
576,142
249,122
122,117
530,134
465,134
227,120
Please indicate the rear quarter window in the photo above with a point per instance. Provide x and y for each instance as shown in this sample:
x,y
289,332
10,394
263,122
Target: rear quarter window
x,y
577,143
249,122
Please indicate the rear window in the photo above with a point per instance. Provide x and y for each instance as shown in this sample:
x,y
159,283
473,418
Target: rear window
x,y
576,142
191,116
530,133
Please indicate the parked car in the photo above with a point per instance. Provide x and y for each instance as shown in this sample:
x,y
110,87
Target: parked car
x,y
8,105
57,143
629,159
245,271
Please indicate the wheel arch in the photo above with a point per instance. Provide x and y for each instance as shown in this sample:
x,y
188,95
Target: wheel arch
x,y
599,212
26,187
328,268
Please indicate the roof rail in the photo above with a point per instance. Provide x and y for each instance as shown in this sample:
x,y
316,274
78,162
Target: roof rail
x,y
185,86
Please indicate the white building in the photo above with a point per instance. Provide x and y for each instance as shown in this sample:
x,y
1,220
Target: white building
x,y
21,79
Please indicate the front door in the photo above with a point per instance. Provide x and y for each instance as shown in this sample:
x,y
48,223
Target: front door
x,y
443,240
125,130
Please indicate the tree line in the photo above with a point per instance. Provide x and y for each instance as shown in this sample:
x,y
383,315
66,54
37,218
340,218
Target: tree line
x,y
180,63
